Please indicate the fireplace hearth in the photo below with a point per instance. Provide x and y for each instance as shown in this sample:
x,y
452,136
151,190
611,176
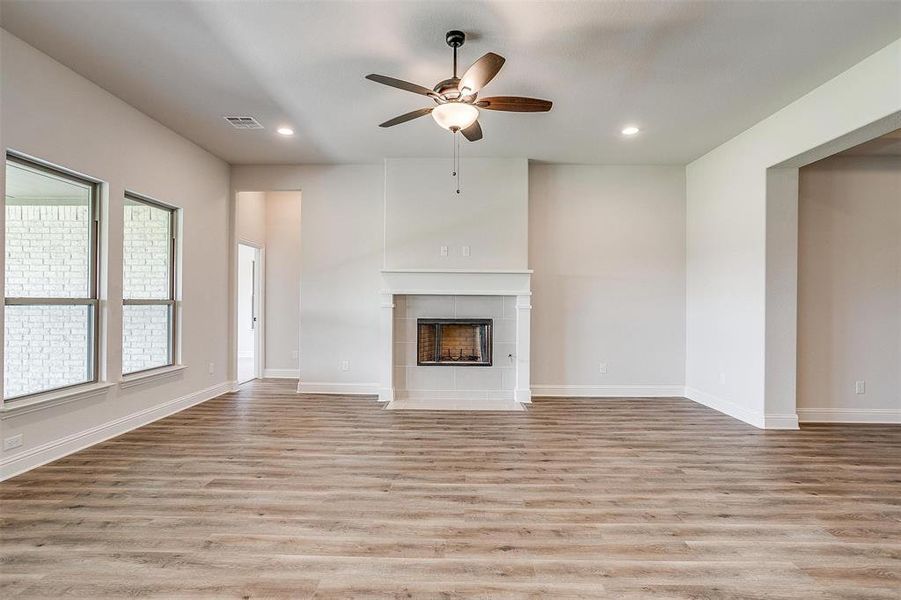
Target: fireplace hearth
x,y
454,342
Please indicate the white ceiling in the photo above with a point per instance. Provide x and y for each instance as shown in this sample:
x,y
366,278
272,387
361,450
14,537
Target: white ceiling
x,y
690,74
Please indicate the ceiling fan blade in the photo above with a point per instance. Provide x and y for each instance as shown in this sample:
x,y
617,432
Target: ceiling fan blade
x,y
481,72
515,104
407,117
473,133
400,84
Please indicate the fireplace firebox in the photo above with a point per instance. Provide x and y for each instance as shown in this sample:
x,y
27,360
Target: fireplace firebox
x,y
454,342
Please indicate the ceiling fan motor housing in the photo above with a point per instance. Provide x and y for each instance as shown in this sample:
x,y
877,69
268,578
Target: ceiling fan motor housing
x,y
455,38
448,88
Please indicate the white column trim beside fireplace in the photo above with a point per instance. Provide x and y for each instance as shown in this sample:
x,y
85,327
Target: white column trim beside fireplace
x,y
523,392
516,283
386,390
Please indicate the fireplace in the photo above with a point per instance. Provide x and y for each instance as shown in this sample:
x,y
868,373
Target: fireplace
x,y
453,342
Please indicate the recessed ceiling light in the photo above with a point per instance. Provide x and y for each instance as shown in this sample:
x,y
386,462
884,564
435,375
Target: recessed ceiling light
x,y
630,130
285,131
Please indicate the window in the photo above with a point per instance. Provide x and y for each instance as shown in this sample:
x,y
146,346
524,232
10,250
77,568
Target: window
x,y
148,285
51,323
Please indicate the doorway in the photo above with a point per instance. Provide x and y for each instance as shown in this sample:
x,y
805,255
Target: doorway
x,y
849,285
249,276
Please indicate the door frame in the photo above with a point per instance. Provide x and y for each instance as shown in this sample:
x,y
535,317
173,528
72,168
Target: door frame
x,y
259,292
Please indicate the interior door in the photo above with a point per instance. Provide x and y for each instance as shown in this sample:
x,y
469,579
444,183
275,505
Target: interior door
x,y
248,313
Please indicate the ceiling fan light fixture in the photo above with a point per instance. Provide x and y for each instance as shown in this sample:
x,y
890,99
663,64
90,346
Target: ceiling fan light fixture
x,y
455,116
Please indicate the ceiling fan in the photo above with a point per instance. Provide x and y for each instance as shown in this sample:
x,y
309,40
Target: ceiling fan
x,y
456,99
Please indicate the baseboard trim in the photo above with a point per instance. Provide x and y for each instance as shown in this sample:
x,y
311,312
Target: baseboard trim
x,y
607,391
777,421
21,462
340,389
726,407
887,416
281,374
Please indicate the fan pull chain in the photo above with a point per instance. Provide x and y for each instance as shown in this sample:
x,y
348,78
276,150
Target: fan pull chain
x,y
459,163
454,169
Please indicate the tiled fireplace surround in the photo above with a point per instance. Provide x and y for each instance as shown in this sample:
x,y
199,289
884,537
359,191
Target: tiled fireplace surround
x,y
503,296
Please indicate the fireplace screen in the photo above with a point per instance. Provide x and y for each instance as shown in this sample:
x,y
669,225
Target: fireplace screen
x,y
455,342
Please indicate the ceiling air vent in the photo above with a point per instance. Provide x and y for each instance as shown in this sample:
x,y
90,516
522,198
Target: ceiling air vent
x,y
244,122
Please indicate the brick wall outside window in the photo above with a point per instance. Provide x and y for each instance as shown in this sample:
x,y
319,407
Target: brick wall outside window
x,y
145,329
47,255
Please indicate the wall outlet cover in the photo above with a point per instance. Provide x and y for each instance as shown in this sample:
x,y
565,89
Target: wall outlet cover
x,y
860,387
602,368
13,441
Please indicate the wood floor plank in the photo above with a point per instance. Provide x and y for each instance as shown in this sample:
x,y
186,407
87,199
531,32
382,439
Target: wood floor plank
x,y
268,494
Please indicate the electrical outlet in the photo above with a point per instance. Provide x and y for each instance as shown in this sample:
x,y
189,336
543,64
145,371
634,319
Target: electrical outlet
x,y
12,442
602,368
294,354
722,378
466,251
443,250
345,365
860,387
212,368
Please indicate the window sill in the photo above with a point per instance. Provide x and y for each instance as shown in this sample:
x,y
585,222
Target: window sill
x,y
128,381
14,408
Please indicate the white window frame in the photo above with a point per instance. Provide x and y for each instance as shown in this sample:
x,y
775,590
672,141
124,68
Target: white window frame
x,y
171,301
92,300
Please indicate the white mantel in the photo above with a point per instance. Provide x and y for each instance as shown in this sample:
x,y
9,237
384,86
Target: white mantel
x,y
410,282
458,282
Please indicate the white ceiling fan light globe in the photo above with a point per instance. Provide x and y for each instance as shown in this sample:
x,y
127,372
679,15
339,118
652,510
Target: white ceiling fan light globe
x,y
455,116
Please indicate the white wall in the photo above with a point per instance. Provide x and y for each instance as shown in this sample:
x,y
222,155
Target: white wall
x,y
622,265
423,212
341,256
740,299
283,266
51,113
250,217
607,244
849,289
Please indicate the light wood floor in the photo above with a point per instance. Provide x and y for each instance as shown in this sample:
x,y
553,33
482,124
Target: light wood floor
x,y
267,494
